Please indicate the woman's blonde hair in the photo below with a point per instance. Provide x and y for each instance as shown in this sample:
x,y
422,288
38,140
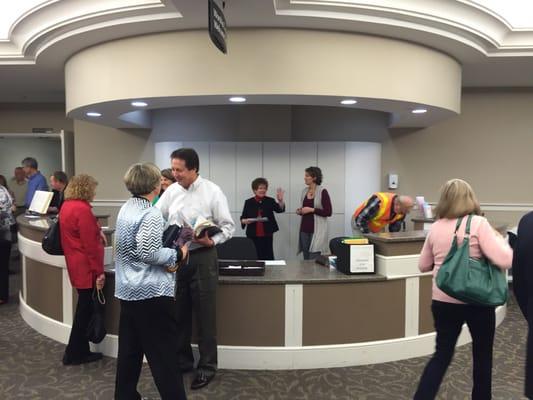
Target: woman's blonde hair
x,y
457,199
81,187
142,178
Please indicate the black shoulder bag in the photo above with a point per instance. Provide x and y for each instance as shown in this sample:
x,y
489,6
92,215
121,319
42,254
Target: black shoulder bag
x,y
51,242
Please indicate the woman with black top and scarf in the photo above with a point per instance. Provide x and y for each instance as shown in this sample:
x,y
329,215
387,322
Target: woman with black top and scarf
x,y
258,217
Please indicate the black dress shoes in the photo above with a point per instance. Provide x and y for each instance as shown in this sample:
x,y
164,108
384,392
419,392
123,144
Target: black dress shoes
x,y
87,359
201,379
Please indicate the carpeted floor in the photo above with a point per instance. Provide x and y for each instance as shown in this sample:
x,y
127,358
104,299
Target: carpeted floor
x,y
30,368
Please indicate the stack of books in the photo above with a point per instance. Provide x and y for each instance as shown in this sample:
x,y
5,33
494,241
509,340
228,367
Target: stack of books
x,y
355,240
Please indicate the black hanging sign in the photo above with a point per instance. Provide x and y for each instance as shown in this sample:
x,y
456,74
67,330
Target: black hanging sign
x,y
217,26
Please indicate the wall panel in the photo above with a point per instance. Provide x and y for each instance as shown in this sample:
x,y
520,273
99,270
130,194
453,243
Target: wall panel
x,y
331,161
303,155
223,169
249,166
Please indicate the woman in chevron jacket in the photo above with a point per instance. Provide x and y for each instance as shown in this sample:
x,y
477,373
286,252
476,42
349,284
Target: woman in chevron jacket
x,y
145,288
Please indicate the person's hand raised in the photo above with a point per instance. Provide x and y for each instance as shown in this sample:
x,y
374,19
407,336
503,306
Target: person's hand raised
x,y
279,194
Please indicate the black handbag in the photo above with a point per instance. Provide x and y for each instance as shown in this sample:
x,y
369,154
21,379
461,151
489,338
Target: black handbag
x,y
51,242
96,329
171,235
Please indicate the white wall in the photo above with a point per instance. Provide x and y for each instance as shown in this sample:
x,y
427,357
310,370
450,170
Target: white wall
x,y
351,171
47,151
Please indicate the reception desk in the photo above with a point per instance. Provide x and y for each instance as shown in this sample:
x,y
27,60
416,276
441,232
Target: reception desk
x,y
299,315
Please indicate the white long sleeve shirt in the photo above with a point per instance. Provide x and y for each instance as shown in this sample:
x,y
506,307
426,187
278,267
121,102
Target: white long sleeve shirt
x,y
203,198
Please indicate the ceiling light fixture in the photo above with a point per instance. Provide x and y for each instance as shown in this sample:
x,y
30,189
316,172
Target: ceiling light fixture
x,y
419,111
139,103
93,114
237,99
348,102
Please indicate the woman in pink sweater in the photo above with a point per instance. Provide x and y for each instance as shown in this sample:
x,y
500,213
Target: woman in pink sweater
x,y
458,200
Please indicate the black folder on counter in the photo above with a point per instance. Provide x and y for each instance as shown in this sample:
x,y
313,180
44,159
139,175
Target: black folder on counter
x,y
241,267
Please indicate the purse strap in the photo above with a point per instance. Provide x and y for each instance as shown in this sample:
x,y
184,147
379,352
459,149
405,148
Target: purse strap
x,y
467,228
468,221
99,295
457,225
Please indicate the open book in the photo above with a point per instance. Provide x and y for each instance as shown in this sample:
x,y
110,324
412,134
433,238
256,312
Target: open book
x,y
202,225
40,202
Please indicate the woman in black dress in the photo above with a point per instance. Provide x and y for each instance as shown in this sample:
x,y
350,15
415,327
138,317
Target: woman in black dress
x,y
258,217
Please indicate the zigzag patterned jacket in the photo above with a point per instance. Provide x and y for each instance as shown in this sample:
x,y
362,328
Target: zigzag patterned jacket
x,y
140,260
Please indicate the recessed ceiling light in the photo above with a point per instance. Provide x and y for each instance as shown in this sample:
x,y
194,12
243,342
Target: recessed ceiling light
x,y
93,114
348,102
139,103
237,99
419,111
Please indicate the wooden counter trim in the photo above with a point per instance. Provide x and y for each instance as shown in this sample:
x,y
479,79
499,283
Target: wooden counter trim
x,y
398,248
425,317
32,234
44,288
364,312
37,235
263,310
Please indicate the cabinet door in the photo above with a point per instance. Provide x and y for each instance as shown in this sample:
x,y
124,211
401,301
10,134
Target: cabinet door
x,y
223,169
363,174
249,167
303,155
331,162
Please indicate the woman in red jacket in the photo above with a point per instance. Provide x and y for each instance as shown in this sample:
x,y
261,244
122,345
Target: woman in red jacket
x,y
83,244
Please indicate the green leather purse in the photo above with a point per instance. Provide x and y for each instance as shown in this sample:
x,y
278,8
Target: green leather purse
x,y
472,280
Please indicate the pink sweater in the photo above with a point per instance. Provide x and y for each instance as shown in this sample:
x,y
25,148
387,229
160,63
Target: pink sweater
x,y
483,241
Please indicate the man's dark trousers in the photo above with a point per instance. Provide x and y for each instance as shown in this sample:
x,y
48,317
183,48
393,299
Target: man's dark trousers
x,y
196,291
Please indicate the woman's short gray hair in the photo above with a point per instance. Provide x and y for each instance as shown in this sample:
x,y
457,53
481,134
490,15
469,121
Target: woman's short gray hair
x,y
142,178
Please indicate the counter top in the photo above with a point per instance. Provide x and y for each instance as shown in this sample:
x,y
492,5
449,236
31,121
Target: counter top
x,y
295,272
397,237
42,223
423,219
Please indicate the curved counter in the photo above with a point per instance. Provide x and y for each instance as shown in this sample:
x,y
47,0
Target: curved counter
x,y
297,316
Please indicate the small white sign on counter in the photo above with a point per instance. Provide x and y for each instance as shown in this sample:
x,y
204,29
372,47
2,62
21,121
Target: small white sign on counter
x,y
275,262
362,258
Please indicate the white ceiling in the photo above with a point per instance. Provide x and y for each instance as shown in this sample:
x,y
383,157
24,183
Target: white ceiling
x,y
493,39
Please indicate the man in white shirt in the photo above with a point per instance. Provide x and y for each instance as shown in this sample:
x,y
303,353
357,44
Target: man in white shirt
x,y
182,203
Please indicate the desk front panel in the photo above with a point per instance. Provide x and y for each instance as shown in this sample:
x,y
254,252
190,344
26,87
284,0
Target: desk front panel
x,y
353,313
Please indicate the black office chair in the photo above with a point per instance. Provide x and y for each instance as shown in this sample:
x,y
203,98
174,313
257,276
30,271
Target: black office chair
x,y
237,248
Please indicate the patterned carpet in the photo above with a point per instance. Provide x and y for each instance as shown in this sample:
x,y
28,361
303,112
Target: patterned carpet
x,y
30,368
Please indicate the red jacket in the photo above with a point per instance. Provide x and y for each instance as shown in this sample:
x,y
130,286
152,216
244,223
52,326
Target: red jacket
x,y
82,245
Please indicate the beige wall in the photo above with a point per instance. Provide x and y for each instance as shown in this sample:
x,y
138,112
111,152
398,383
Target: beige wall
x,y
489,145
106,153
22,117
